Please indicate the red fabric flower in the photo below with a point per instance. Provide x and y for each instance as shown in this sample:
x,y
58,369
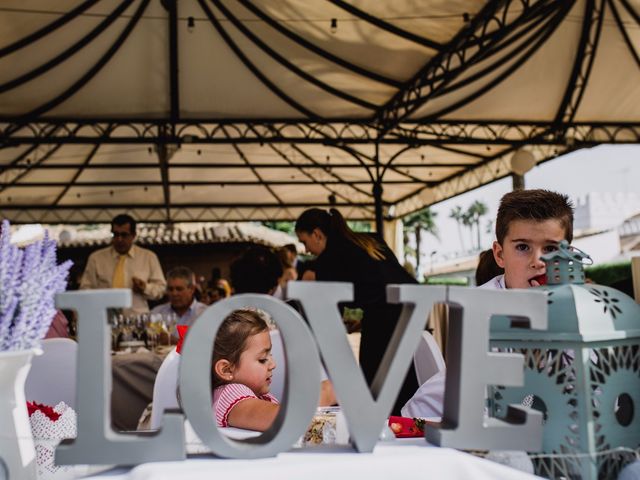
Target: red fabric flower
x,y
33,407
182,331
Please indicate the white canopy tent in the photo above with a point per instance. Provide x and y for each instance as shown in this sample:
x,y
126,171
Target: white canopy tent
x,y
209,110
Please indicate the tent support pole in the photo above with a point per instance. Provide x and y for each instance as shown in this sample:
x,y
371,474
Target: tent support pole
x,y
517,181
174,90
165,152
377,193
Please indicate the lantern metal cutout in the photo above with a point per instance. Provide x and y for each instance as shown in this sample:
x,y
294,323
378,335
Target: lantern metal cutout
x,y
583,373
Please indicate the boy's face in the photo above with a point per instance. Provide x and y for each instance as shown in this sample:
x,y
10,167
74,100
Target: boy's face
x,y
526,241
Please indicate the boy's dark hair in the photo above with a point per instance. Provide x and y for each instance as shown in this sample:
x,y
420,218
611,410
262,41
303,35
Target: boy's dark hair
x,y
123,219
536,205
256,271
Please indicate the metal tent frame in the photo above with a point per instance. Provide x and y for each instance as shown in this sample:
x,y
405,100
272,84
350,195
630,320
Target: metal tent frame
x,y
372,163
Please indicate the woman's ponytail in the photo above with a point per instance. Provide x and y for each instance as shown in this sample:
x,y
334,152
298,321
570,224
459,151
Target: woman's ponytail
x,y
333,225
366,242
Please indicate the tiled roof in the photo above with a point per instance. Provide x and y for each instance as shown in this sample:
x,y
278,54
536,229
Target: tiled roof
x,y
162,234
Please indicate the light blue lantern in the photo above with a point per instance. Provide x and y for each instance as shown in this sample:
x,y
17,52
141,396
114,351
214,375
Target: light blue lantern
x,y
583,373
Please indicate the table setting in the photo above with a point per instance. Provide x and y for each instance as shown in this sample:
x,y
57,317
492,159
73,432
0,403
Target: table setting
x,y
151,331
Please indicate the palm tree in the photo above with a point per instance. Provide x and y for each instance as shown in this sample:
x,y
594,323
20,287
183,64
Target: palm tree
x,y
489,227
456,213
477,210
417,222
467,221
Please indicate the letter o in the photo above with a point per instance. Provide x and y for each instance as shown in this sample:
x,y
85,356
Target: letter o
x,y
303,378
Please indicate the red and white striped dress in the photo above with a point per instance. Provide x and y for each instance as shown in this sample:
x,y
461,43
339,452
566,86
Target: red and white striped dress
x,y
225,397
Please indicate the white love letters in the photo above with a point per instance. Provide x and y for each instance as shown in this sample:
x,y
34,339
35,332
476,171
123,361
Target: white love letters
x,y
470,368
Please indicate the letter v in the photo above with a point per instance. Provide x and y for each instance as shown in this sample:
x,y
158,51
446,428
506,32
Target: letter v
x,y
365,410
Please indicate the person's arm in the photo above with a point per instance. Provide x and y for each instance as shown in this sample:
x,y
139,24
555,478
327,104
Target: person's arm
x,y
428,401
154,287
89,276
253,414
327,394
309,275
59,326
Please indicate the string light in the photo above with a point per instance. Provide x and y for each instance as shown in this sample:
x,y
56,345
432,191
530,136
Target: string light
x,y
191,24
334,25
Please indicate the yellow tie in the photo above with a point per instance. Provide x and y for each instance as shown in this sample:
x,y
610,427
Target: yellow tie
x,y
118,273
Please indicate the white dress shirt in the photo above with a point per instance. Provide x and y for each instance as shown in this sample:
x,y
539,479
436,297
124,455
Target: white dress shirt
x,y
141,263
427,402
187,318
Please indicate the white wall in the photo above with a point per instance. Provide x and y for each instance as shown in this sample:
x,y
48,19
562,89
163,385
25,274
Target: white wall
x,y
601,247
601,211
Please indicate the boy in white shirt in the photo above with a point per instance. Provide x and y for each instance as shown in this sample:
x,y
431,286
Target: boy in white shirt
x,y
530,223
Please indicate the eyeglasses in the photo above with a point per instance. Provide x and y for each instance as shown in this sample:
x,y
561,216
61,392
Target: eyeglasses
x,y
120,234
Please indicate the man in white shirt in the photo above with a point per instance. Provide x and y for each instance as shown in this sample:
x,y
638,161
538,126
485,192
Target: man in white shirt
x,y
182,303
125,265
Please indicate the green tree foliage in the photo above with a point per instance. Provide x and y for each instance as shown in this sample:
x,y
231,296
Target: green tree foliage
x,y
457,214
477,210
417,222
470,219
359,226
609,273
287,227
457,281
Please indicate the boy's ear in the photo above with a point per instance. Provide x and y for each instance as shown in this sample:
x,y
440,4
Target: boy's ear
x,y
223,369
498,254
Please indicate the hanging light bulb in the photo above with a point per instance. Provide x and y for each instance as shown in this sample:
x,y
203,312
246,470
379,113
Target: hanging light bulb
x,y
191,24
334,25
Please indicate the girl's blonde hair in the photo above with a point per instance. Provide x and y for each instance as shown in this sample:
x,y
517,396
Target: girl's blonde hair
x,y
232,336
332,224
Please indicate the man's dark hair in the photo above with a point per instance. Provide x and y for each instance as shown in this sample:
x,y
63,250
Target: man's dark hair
x,y
291,247
256,271
184,273
216,274
123,219
538,205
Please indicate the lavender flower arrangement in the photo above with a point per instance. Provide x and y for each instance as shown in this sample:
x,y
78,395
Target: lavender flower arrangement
x,y
29,280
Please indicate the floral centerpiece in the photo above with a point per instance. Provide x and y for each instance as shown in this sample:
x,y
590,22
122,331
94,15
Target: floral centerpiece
x,y
49,425
29,280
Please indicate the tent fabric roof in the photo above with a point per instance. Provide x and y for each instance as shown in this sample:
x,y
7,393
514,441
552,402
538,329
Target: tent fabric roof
x,y
217,110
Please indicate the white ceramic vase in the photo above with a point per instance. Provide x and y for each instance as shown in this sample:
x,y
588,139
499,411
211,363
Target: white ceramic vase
x,y
17,451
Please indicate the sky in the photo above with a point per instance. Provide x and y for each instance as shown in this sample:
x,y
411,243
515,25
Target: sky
x,y
606,168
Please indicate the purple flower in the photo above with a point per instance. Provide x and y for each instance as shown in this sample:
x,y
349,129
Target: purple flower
x,y
29,280
10,261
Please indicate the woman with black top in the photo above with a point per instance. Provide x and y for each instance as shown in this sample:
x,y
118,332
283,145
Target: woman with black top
x,y
364,260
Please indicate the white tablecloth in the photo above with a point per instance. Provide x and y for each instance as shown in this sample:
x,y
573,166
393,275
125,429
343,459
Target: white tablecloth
x,y
402,459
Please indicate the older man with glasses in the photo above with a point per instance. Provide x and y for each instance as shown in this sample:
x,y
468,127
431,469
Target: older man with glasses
x,y
182,304
125,265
